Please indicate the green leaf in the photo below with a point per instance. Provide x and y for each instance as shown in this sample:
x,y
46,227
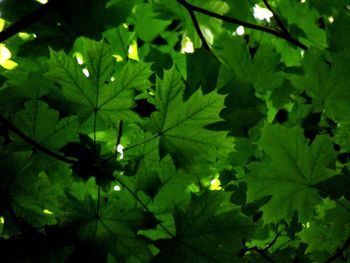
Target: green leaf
x,y
326,81
42,124
25,195
108,94
26,81
147,123
175,192
292,10
202,71
181,125
206,234
111,228
289,172
329,232
147,25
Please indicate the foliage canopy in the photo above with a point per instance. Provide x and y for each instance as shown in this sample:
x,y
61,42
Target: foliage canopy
x,y
175,131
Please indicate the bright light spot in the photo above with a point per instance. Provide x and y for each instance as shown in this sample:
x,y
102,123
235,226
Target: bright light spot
x,y
208,35
302,1
59,24
9,64
125,26
86,72
112,79
307,225
331,19
2,220
132,51
2,24
187,45
24,35
215,184
240,30
5,54
47,211
302,53
79,58
35,36
42,1
261,13
117,188
118,58
120,149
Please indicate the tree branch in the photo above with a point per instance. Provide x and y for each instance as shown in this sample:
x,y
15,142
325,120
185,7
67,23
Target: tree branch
x,y
33,143
235,21
339,251
261,252
278,20
28,20
273,241
197,27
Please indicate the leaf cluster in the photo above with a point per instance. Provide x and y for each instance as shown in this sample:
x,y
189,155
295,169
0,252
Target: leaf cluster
x,y
159,131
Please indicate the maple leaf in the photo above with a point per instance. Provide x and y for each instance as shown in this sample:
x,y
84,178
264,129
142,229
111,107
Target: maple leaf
x,y
181,124
152,201
100,90
208,230
111,226
24,194
43,125
289,172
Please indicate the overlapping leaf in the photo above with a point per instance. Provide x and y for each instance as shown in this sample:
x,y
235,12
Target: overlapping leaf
x,y
181,124
25,195
42,124
102,92
111,227
289,172
207,231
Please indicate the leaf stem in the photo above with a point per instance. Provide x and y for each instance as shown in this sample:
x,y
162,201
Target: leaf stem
x,y
282,35
33,143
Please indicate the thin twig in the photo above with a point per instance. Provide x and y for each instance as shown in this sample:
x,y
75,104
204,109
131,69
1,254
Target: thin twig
x,y
33,143
28,20
259,251
262,252
273,241
235,21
